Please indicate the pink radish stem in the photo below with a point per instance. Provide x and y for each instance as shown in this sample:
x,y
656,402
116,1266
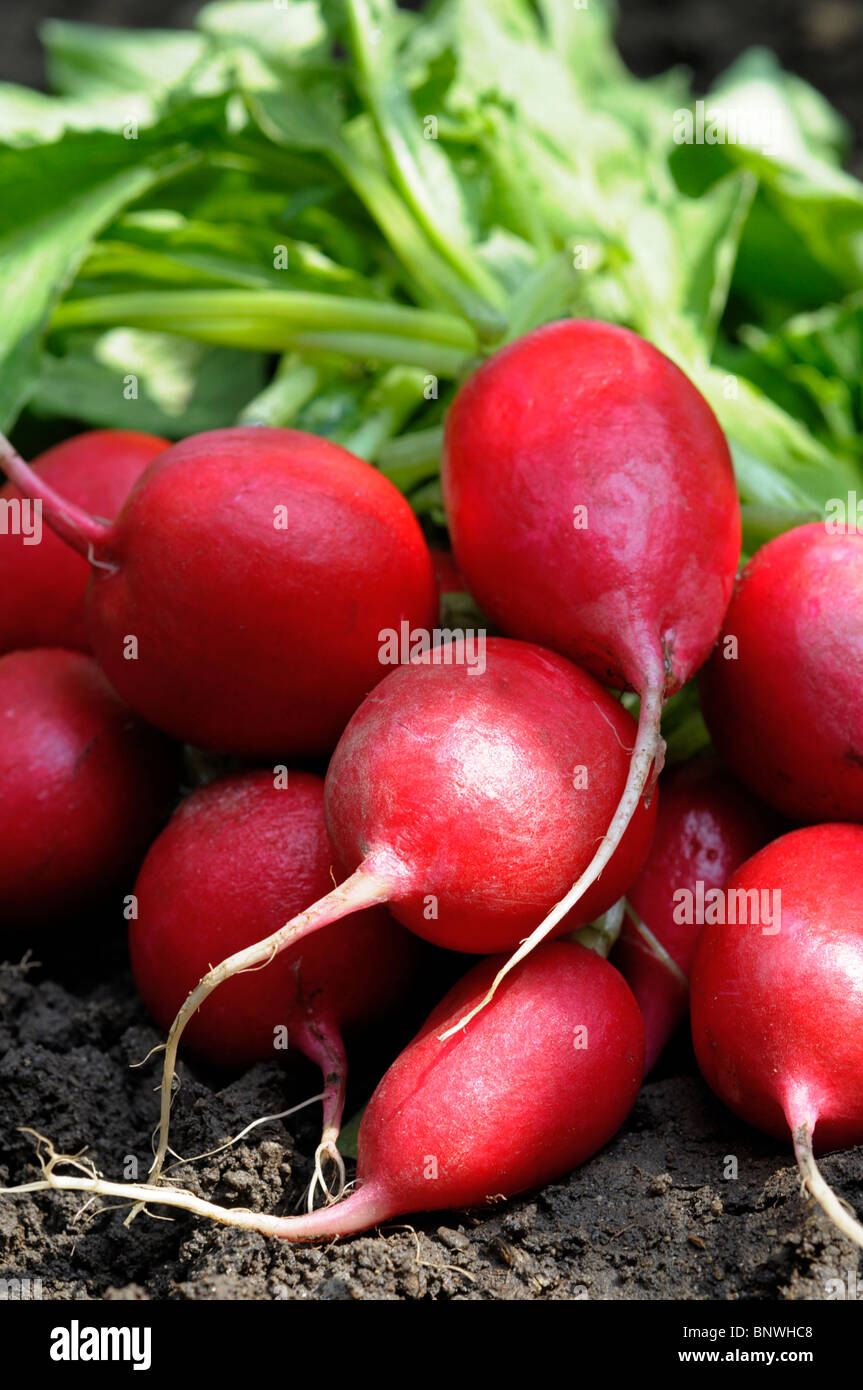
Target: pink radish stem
x,y
364,888
81,530
647,756
322,1043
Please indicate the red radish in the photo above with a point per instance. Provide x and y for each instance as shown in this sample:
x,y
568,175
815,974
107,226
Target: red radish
x,y
449,578
84,785
706,826
542,1080
94,470
592,507
239,856
777,1010
467,802
784,699
238,600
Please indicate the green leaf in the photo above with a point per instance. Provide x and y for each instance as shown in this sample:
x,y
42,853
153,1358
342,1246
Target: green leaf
x,y
820,356
295,383
303,116
582,34
785,137
168,248
55,199
289,33
154,382
421,170
90,60
28,117
777,461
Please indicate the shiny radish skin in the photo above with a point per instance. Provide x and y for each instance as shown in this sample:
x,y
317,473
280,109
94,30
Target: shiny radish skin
x,y
706,826
237,857
592,506
84,787
787,713
581,414
777,1017
465,802
96,470
256,569
459,790
540,1082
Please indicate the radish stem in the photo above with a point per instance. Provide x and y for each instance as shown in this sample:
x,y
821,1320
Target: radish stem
x,y
321,1042
81,530
362,889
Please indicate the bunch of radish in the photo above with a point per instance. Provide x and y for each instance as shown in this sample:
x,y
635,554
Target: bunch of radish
x,y
238,601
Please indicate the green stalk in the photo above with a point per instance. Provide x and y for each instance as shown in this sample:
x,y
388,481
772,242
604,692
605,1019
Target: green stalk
x,y
433,280
390,404
280,402
277,321
396,122
434,277
413,458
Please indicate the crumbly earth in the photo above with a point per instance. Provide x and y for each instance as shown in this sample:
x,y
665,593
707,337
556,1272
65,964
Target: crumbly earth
x,y
658,1214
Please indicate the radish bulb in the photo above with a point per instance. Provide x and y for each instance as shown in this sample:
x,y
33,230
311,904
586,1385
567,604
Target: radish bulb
x,y
592,508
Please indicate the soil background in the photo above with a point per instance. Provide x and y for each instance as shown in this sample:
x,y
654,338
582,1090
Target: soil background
x,y
685,1203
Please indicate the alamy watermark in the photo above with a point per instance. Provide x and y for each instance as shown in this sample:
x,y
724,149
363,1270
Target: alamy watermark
x,y
758,907
20,1290
21,516
716,124
439,646
844,515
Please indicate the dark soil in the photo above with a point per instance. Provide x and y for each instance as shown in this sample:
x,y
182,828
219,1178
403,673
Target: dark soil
x,y
653,1216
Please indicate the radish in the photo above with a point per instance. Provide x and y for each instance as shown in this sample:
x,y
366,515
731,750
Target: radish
x,y
84,786
95,470
467,802
449,579
542,1081
783,692
238,600
777,1009
706,826
592,508
237,857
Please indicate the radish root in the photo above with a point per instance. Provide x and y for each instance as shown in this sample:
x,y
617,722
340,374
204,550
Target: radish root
x,y
228,1144
321,1042
327,1150
362,889
95,1185
644,768
357,1212
821,1190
